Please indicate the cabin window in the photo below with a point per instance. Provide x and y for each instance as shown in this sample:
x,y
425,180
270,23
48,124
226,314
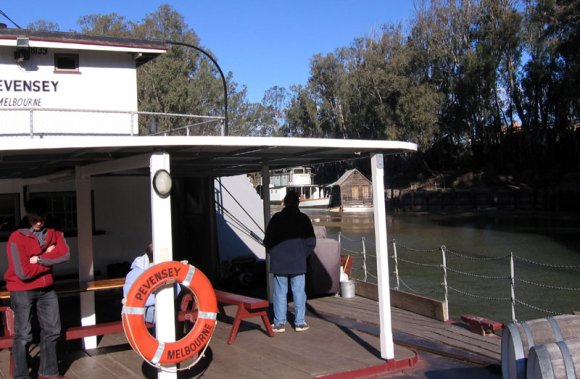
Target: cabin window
x,y
365,191
9,214
66,62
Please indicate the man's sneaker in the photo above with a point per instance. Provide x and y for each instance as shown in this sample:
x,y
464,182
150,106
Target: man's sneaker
x,y
280,328
302,327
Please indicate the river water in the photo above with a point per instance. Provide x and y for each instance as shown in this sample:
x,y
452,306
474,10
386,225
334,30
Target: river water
x,y
478,248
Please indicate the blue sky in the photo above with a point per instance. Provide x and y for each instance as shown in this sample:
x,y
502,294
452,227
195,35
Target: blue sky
x,y
263,42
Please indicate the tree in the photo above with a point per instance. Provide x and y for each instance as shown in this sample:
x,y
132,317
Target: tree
x,y
182,81
43,25
301,115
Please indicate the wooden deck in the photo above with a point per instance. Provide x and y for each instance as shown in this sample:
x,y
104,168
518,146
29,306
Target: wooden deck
x,y
343,337
412,330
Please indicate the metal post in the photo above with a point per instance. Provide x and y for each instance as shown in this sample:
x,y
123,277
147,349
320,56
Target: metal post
x,y
512,285
444,265
364,254
31,123
339,233
133,124
396,263
225,130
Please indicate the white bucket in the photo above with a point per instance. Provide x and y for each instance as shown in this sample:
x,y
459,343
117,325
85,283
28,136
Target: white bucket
x,y
347,289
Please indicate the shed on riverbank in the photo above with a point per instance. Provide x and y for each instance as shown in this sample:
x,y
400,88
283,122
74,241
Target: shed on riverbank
x,y
353,191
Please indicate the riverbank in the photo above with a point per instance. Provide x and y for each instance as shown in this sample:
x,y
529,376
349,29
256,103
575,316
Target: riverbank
x,y
437,200
480,191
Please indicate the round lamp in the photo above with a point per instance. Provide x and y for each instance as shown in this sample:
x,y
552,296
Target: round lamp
x,y
162,183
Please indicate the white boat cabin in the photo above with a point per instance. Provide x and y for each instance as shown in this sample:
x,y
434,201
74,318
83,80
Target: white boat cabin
x,y
63,84
298,179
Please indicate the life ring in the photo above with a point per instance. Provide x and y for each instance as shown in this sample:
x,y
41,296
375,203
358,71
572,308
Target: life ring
x,y
133,314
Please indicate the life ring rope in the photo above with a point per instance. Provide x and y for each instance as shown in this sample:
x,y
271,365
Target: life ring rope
x,y
196,341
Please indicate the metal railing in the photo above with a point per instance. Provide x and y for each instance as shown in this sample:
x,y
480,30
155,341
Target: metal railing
x,y
46,122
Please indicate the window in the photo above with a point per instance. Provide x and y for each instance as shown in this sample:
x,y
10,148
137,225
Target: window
x,y
365,191
66,62
62,208
354,190
9,214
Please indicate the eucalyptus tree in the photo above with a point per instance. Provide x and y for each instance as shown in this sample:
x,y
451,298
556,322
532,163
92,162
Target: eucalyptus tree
x,y
302,114
367,90
112,24
43,25
466,48
272,111
551,81
182,81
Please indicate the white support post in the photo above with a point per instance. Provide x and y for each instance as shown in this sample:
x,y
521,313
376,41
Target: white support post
x,y
85,250
162,252
267,215
386,334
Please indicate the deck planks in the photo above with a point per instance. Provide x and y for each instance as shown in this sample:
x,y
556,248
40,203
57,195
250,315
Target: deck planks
x,y
366,311
345,337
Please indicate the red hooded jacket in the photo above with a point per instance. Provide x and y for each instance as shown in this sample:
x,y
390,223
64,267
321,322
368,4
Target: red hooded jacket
x,y
22,275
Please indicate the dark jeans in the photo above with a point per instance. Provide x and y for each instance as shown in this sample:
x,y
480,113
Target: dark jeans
x,y
46,303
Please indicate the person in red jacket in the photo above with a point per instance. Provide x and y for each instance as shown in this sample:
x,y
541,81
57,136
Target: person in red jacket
x,y
32,252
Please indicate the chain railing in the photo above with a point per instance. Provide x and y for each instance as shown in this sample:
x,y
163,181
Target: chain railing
x,y
487,279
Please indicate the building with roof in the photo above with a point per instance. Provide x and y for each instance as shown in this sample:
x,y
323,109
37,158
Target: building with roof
x,y
352,192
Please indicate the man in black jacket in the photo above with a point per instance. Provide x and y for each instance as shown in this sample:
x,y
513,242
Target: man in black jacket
x,y
289,240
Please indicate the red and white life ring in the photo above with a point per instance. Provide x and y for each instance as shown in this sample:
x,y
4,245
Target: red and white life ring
x,y
133,314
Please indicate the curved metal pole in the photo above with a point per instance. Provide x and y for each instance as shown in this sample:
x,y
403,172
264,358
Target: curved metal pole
x,y
221,74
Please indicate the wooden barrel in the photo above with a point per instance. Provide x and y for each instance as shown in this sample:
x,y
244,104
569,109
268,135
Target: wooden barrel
x,y
555,360
518,338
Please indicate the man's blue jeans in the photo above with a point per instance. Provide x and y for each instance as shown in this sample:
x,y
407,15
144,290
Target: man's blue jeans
x,y
297,283
48,314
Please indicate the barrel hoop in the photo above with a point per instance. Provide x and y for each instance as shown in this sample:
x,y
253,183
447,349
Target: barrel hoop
x,y
556,329
567,357
529,335
543,357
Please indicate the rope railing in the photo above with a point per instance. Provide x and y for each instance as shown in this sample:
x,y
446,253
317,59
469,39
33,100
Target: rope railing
x,y
455,272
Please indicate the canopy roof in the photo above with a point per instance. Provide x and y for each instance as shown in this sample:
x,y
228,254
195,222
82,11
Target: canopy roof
x,y
190,156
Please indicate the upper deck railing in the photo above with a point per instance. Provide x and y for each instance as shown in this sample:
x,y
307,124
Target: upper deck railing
x,y
59,122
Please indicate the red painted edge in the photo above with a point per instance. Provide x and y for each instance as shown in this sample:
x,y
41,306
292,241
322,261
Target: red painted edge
x,y
390,366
